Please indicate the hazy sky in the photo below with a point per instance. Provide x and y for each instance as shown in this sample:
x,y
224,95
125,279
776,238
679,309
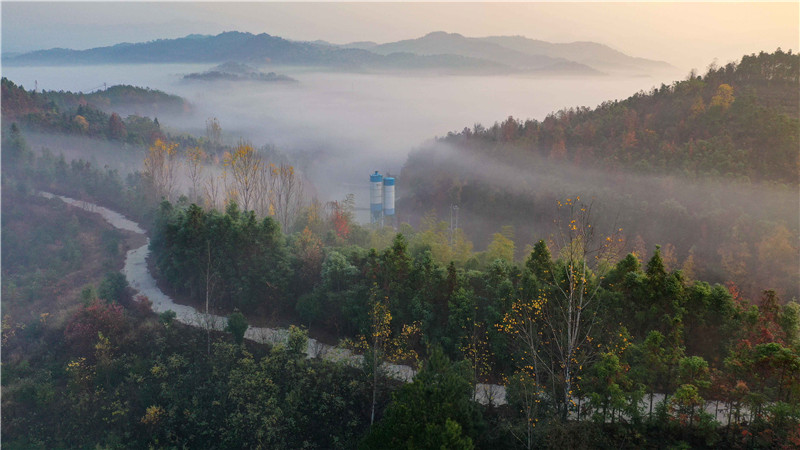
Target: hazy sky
x,y
685,34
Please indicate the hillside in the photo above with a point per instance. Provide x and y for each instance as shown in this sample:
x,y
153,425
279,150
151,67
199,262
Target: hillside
x,y
707,167
739,120
95,115
440,43
145,101
521,52
593,54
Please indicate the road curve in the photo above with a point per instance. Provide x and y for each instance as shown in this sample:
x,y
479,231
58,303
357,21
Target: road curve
x,y
140,278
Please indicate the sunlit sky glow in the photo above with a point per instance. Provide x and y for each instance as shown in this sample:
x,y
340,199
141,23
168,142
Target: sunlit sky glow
x,y
687,35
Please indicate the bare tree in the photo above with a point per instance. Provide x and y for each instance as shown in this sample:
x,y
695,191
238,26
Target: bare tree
x,y
213,134
264,201
195,157
212,188
288,194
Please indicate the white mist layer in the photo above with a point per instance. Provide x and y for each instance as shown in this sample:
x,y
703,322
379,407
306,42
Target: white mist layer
x,y
343,126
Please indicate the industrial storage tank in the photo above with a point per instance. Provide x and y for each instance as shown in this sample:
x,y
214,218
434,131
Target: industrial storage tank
x,y
376,196
388,196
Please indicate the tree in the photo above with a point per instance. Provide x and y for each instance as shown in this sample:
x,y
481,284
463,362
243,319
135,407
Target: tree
x,y
81,124
244,163
342,216
524,393
237,325
160,166
288,194
540,262
434,411
723,98
112,288
309,251
608,383
15,148
502,245
685,402
380,332
555,328
298,341
213,134
194,167
210,276
116,127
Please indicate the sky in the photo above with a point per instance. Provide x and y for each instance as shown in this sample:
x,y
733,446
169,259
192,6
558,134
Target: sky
x,y
687,35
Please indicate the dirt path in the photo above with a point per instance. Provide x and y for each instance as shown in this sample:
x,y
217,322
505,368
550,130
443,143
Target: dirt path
x,y
139,277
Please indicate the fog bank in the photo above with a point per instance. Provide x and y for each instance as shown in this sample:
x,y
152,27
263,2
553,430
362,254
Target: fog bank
x,y
343,126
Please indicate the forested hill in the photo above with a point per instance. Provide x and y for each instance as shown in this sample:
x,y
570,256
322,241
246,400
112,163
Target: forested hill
x,y
739,120
90,114
706,167
145,101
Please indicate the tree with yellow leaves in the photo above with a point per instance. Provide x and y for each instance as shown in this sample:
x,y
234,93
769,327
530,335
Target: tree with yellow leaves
x,y
569,314
380,334
244,164
160,167
723,98
554,330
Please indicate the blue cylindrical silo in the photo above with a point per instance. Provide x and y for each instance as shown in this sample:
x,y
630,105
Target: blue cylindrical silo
x,y
376,196
388,196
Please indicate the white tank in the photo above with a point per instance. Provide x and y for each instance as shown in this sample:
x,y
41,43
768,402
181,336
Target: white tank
x,y
376,196
388,196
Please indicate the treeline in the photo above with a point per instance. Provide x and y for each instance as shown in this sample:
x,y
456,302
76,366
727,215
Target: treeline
x,y
124,378
68,114
706,167
25,171
148,102
740,120
641,331
634,331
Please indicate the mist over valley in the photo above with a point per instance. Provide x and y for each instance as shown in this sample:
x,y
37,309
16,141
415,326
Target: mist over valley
x,y
337,228
343,126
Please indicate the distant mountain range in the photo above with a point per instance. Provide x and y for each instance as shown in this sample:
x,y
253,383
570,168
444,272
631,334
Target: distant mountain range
x,y
519,52
437,52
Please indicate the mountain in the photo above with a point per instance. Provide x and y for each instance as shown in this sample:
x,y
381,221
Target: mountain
x,y
740,120
592,54
235,46
706,166
441,43
486,58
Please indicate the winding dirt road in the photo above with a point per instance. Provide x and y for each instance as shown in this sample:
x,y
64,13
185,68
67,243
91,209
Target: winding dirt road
x,y
140,278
